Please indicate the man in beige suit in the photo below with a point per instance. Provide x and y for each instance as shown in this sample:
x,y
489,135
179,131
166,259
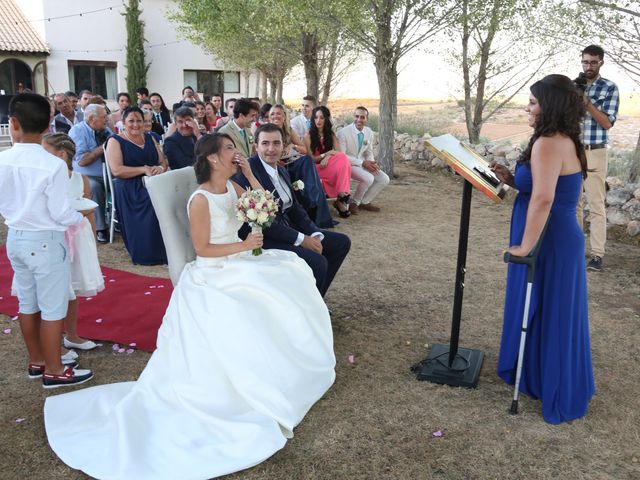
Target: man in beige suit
x,y
245,113
356,141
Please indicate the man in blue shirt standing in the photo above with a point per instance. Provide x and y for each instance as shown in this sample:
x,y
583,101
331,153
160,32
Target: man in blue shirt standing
x,y
602,100
89,137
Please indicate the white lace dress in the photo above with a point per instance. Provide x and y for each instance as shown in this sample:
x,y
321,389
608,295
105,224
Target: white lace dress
x,y
245,349
86,276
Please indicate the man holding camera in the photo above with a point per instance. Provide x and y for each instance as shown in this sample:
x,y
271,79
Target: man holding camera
x,y
601,100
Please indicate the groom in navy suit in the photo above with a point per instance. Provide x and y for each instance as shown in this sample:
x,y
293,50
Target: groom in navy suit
x,y
292,229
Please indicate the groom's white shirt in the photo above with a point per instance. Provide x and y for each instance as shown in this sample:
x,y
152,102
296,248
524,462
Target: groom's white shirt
x,y
286,197
348,138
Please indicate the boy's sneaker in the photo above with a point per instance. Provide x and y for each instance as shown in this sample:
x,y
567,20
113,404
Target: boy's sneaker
x,y
70,376
35,370
595,264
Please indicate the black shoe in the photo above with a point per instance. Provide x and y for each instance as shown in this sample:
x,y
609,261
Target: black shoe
x,y
595,264
102,236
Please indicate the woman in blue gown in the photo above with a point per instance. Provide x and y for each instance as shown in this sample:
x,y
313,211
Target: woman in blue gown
x,y
557,358
131,156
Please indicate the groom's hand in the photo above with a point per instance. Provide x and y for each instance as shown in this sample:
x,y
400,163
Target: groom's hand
x,y
312,243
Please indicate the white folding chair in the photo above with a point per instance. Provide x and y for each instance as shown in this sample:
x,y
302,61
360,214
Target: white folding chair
x,y
110,195
169,193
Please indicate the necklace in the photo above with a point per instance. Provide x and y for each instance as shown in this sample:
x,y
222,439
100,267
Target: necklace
x,y
131,140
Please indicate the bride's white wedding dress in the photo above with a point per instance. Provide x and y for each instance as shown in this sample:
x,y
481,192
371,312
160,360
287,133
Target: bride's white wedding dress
x,y
245,349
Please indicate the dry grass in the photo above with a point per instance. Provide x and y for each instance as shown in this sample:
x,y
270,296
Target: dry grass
x,y
393,296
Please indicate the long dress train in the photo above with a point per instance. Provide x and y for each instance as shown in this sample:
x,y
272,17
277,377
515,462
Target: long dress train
x,y
245,349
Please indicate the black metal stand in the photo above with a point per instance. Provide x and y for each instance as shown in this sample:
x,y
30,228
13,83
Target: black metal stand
x,y
463,365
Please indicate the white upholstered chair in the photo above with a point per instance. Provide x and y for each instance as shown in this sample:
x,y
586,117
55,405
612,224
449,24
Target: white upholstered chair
x,y
169,194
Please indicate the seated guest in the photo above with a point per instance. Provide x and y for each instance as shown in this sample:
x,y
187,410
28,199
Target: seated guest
x,y
263,116
89,137
142,93
83,101
301,123
216,101
226,117
187,96
67,117
124,101
292,229
356,140
146,106
312,197
333,165
73,98
179,146
244,114
161,115
201,114
131,155
210,116
148,126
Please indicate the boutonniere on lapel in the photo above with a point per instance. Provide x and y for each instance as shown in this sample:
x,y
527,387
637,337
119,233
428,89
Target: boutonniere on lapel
x,y
298,185
250,139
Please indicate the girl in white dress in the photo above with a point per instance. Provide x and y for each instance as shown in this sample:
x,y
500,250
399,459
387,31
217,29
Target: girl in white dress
x,y
244,351
86,276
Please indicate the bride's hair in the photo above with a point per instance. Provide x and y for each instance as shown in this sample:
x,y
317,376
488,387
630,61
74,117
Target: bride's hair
x,y
205,146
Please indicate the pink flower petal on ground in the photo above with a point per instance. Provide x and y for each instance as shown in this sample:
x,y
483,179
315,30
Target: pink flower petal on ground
x,y
160,286
133,344
152,286
20,419
147,293
98,320
14,318
130,351
437,434
351,359
1,298
115,346
88,298
121,350
112,280
7,331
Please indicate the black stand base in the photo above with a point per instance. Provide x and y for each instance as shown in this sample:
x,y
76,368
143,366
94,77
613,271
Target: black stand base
x,y
464,371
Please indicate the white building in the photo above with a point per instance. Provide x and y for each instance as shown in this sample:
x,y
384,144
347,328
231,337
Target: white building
x,y
86,41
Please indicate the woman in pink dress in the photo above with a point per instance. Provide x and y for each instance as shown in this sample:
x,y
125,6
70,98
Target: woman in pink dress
x,y
333,166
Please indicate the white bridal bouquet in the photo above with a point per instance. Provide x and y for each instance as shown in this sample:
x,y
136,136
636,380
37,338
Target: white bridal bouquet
x,y
258,208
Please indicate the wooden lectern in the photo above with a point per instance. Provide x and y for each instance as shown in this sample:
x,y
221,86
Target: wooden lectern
x,y
450,364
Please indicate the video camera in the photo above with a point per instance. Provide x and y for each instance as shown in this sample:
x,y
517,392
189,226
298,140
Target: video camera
x,y
581,82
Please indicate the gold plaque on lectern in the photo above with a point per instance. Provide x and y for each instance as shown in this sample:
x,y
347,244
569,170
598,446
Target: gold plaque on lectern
x,y
471,166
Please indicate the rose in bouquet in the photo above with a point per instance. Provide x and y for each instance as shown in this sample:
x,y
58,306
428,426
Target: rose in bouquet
x,y
258,208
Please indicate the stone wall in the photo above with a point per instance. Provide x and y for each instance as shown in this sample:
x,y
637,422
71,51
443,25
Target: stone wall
x,y
623,199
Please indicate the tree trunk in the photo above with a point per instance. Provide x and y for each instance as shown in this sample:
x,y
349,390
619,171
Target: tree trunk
x,y
247,78
387,72
331,66
310,62
466,72
263,88
257,84
272,90
280,85
634,172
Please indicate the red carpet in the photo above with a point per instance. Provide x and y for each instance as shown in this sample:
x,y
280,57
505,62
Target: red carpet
x,y
129,309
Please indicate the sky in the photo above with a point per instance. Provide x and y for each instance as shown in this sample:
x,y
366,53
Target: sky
x,y
428,76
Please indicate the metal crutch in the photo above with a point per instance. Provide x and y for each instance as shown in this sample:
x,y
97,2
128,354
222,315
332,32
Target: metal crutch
x,y
530,262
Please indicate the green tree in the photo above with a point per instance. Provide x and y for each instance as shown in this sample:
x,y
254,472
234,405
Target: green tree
x,y
498,56
271,36
136,67
388,30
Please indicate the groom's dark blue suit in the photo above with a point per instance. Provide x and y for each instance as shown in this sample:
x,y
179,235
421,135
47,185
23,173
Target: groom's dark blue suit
x,y
283,232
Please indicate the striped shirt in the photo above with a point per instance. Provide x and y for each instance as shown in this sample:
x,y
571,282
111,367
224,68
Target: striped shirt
x,y
604,95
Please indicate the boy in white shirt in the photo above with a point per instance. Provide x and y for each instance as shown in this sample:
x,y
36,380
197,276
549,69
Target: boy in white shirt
x,y
35,207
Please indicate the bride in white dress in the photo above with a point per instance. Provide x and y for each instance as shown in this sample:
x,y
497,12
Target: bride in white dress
x,y
245,349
